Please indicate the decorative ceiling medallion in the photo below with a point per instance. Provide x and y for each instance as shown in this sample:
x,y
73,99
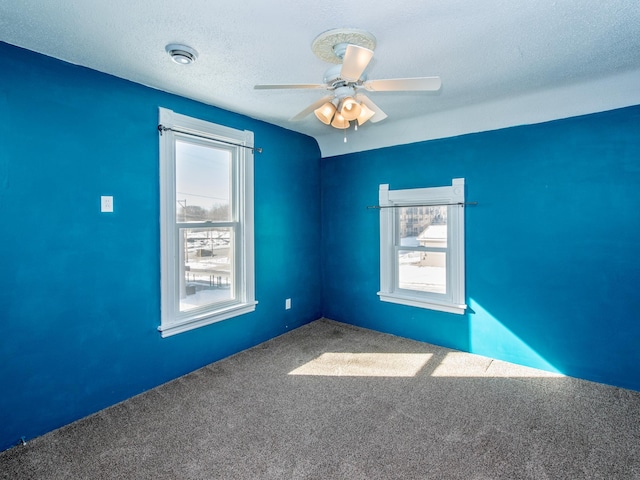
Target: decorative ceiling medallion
x,y
323,45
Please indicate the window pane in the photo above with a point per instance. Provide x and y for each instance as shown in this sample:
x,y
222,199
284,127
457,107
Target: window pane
x,y
423,226
206,263
203,183
422,271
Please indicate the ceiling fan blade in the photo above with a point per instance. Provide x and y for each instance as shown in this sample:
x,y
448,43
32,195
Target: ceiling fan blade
x,y
311,108
354,62
379,114
289,85
425,84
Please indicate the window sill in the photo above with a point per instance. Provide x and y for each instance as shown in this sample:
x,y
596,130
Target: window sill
x,y
185,325
422,303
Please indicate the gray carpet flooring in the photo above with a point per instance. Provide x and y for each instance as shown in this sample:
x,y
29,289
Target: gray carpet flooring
x,y
333,401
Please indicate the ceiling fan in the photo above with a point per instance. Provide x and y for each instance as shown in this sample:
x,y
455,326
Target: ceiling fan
x,y
351,50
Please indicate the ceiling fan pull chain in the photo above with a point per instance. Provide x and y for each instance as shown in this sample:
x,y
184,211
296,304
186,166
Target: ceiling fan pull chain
x,y
345,135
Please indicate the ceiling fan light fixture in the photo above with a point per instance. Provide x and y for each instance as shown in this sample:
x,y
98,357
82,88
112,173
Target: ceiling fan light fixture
x,y
351,52
181,54
325,112
365,114
339,121
350,109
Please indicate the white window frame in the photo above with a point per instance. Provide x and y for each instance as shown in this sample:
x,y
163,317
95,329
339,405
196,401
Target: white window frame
x,y
453,301
172,320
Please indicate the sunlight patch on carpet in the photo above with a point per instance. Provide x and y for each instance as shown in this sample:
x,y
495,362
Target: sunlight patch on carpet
x,y
459,364
342,364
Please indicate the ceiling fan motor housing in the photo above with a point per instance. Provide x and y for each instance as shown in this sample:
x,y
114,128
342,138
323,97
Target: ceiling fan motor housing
x,y
332,77
344,92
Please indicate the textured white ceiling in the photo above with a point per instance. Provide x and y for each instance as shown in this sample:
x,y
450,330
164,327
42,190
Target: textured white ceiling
x,y
502,62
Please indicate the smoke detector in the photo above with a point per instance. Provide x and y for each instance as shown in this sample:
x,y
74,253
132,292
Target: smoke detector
x,y
181,54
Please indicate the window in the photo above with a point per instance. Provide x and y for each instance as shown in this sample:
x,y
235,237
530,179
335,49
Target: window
x,y
206,223
422,247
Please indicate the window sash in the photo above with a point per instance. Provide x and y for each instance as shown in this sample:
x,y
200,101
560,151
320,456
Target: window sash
x,y
234,225
441,297
235,284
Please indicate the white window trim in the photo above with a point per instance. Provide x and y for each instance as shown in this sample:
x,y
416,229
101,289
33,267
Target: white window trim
x,y
173,321
454,300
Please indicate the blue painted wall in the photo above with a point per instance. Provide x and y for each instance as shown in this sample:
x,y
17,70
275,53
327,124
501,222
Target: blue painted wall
x,y
551,264
551,248
79,290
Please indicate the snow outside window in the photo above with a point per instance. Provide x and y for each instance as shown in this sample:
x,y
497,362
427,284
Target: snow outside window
x,y
422,247
206,221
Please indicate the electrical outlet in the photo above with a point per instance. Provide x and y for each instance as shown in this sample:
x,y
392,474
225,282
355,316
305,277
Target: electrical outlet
x,y
287,304
106,203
